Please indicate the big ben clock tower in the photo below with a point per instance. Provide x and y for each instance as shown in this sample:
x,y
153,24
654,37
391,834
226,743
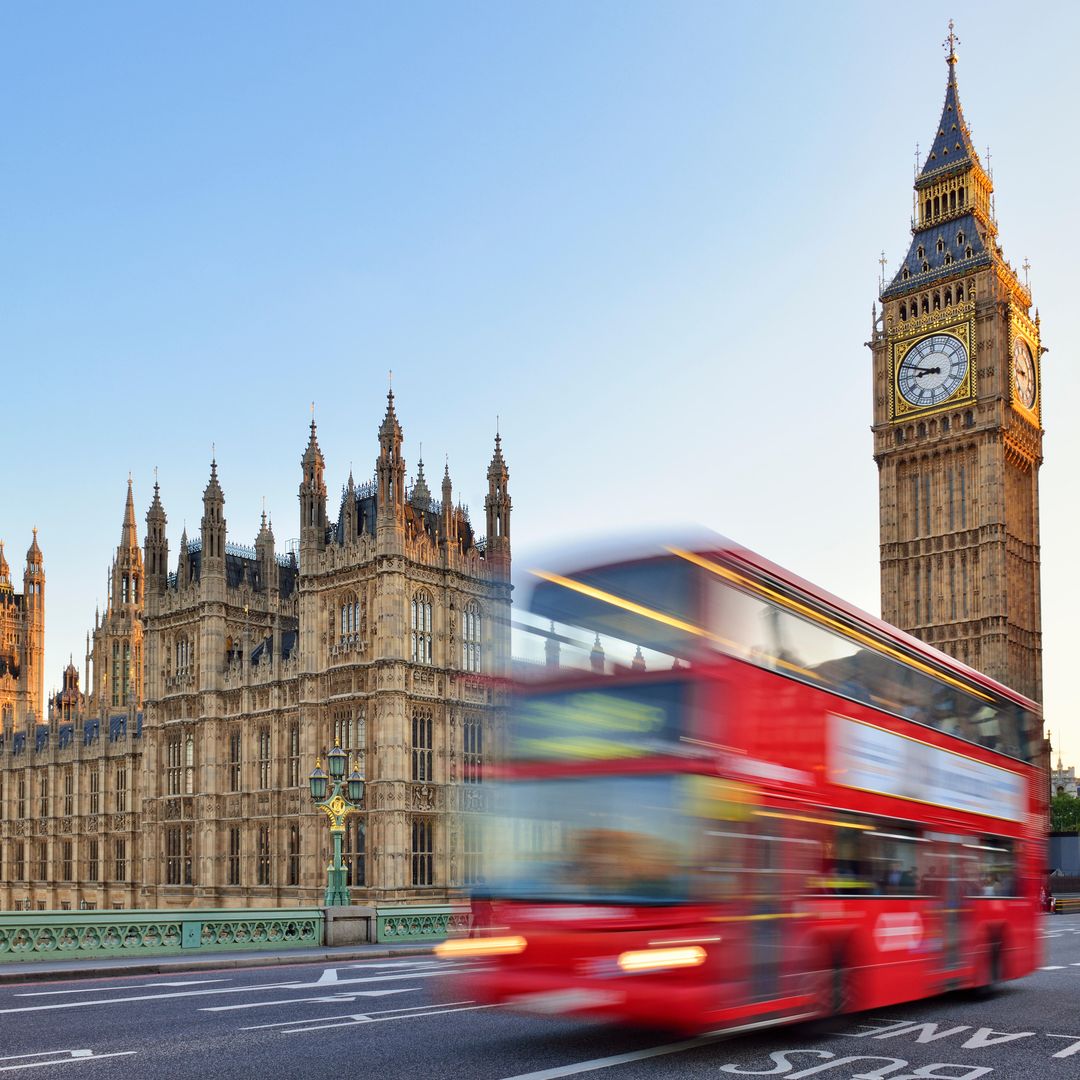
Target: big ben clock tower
x,y
958,424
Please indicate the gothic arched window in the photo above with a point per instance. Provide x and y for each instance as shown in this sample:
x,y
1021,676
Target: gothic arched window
x,y
421,628
471,628
903,312
350,616
189,765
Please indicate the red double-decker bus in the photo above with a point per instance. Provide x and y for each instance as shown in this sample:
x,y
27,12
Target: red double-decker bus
x,y
730,799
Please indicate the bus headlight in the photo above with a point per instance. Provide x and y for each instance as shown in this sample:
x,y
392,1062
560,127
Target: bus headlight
x,y
661,959
494,946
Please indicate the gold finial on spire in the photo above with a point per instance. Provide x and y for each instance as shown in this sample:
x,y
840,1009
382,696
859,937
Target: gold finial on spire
x,y
883,262
950,43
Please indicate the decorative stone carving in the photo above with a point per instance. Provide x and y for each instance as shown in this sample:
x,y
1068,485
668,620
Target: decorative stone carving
x,y
423,797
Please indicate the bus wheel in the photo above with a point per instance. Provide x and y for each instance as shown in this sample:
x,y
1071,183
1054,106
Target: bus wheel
x,y
991,970
832,995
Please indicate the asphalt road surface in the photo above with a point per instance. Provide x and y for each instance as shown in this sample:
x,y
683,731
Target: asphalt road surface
x,y
383,1019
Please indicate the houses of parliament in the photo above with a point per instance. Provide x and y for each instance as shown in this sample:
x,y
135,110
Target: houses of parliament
x,y
175,772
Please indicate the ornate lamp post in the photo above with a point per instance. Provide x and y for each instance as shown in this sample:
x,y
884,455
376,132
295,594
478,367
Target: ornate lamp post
x,y
327,794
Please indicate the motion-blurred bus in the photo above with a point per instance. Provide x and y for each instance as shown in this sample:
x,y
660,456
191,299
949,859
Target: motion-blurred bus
x,y
730,800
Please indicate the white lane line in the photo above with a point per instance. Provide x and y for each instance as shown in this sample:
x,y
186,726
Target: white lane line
x,y
76,1057
107,989
333,999
1052,967
228,990
353,1016
366,1018
653,1051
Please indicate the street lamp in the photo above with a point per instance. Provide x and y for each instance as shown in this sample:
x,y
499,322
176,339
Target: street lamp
x,y
326,793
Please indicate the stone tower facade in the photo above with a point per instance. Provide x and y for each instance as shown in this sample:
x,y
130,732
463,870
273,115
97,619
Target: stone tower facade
x,y
957,424
22,644
215,684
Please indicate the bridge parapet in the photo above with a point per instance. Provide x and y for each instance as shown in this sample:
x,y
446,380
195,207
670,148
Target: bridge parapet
x,y
56,935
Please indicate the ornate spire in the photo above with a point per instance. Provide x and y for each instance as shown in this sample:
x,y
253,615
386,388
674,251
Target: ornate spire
x,y
954,230
421,493
33,553
213,487
952,148
312,453
129,536
390,428
5,570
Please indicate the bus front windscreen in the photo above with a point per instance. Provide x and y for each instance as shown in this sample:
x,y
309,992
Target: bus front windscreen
x,y
614,839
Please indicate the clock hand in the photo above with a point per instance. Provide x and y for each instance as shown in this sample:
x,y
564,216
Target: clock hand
x,y
927,371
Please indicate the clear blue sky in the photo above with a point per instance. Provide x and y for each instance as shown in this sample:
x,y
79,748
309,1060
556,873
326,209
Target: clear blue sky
x,y
645,235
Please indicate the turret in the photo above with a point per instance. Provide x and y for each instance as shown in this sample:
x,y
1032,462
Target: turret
x,y
312,501
349,510
156,561
213,525
127,570
265,557
33,646
420,497
390,465
183,565
449,521
497,504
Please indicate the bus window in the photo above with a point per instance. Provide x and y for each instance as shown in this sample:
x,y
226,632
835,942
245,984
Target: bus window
x,y
891,858
996,875
822,651
868,857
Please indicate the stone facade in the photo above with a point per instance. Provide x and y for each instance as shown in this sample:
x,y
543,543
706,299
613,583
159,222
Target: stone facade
x,y
1063,780
957,425
181,780
22,642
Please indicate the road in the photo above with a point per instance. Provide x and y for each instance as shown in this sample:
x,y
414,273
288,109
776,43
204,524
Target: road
x,y
383,1019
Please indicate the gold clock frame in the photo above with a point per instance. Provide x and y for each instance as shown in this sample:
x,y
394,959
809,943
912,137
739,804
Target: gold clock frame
x,y
1025,330
900,409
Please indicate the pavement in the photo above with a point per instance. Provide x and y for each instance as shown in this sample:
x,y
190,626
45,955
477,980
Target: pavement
x,y
21,971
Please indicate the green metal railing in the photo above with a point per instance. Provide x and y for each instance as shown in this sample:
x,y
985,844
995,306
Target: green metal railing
x,y
55,935
420,923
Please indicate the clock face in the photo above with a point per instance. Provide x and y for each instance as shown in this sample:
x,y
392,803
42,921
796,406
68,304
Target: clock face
x,y
1023,373
932,370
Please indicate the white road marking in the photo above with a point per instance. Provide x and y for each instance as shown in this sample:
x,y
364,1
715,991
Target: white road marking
x,y
352,1016
337,999
653,1051
230,990
106,989
73,1057
366,1018
1052,967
